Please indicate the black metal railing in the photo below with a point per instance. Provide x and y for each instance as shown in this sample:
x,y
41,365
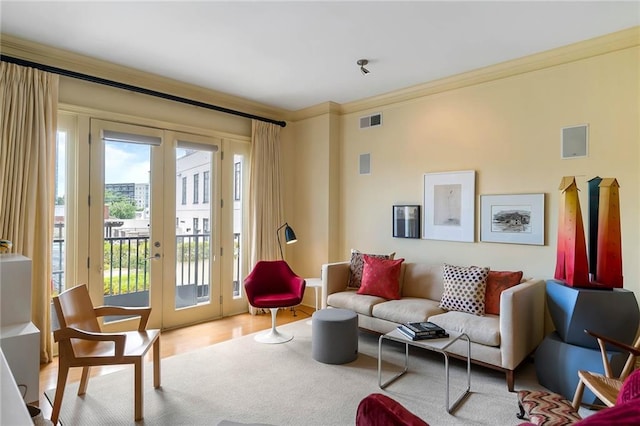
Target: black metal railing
x,y
126,266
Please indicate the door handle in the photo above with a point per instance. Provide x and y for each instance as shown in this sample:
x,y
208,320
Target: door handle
x,y
155,256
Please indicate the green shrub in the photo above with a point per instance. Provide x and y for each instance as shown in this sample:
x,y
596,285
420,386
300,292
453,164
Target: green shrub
x,y
122,284
186,251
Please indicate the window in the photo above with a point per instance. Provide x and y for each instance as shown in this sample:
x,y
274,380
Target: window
x,y
184,190
196,185
59,236
195,225
205,189
205,225
237,173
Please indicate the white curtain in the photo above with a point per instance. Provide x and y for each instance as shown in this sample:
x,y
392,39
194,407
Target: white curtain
x,y
28,123
265,200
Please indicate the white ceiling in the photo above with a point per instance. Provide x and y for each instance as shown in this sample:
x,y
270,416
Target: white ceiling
x,y
297,54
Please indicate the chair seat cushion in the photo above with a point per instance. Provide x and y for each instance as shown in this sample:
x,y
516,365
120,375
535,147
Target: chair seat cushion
x,y
277,300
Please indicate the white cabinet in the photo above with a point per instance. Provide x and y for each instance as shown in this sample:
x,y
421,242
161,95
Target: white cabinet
x,y
19,338
14,410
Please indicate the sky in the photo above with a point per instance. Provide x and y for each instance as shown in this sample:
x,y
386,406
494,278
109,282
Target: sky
x,y
124,162
127,162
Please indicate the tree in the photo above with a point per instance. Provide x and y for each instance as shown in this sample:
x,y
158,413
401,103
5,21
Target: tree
x,y
123,209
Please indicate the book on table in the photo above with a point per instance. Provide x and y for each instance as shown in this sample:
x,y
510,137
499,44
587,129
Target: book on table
x,y
422,329
409,335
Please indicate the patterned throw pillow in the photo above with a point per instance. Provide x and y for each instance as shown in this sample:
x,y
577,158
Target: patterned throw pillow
x,y
464,288
381,277
357,264
630,388
497,282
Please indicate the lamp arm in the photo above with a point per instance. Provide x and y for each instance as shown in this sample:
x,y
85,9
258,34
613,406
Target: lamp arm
x,y
278,236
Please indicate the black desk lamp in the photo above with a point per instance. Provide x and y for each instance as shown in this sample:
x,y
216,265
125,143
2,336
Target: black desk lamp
x,y
289,237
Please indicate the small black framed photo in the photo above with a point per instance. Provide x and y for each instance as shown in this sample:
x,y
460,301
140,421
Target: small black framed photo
x,y
406,221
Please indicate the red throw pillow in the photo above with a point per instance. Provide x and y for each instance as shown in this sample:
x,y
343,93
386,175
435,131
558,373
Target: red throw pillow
x,y
381,277
497,282
630,388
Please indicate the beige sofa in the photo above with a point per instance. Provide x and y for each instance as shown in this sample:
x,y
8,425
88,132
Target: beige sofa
x,y
500,342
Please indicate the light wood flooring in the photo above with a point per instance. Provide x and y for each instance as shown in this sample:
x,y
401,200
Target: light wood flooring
x,y
178,341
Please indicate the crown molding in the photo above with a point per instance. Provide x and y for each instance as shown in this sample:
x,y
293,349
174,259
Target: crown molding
x,y
315,111
13,46
620,40
51,56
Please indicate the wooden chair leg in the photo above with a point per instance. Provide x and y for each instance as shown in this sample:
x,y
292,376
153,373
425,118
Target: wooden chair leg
x,y
63,372
510,380
577,397
137,391
156,363
84,380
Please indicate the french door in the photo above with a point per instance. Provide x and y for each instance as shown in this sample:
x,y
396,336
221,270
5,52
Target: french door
x,y
155,224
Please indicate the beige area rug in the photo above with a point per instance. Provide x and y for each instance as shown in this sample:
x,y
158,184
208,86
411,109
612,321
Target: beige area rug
x,y
244,381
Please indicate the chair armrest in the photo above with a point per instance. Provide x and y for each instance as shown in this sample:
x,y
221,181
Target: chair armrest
x,y
521,321
335,277
75,333
623,346
143,313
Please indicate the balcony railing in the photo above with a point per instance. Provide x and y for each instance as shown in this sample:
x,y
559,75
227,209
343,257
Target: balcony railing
x,y
126,266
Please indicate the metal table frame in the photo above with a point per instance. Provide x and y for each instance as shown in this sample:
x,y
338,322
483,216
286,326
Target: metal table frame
x,y
436,345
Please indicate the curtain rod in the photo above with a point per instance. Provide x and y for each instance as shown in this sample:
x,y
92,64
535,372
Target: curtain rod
x,y
137,89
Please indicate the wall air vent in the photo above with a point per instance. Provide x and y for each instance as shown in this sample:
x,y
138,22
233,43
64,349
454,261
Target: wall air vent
x,y
373,120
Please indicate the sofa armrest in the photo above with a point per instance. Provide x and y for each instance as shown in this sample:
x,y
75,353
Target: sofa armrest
x,y
335,277
521,321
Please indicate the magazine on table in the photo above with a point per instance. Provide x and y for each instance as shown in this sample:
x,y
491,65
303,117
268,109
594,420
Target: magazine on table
x,y
408,334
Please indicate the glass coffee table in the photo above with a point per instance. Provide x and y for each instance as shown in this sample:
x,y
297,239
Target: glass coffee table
x,y
437,345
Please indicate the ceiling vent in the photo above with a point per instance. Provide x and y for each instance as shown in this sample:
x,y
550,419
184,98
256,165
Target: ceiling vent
x,y
374,120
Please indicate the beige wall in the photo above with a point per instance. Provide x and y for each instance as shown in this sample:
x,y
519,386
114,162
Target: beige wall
x,y
508,131
506,127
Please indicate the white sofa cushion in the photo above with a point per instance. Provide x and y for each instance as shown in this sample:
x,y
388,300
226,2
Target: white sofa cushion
x,y
359,303
407,309
484,330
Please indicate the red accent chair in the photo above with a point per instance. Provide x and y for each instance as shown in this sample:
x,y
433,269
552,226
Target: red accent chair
x,y
380,410
273,285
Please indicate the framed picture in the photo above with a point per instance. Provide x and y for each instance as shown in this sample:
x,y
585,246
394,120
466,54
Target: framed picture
x,y
406,221
516,219
449,206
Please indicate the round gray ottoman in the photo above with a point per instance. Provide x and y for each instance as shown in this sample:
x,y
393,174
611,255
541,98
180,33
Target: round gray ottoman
x,y
334,336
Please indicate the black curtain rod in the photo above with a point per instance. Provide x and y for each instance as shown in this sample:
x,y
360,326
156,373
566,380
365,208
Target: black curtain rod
x,y
137,89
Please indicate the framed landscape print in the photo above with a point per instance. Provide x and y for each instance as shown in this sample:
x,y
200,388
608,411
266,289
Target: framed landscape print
x,y
516,219
449,206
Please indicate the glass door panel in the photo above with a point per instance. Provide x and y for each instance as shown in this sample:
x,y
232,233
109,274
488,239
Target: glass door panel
x,y
191,284
235,176
126,252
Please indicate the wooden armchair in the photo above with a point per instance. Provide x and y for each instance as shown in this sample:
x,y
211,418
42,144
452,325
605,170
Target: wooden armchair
x,y
606,387
82,343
